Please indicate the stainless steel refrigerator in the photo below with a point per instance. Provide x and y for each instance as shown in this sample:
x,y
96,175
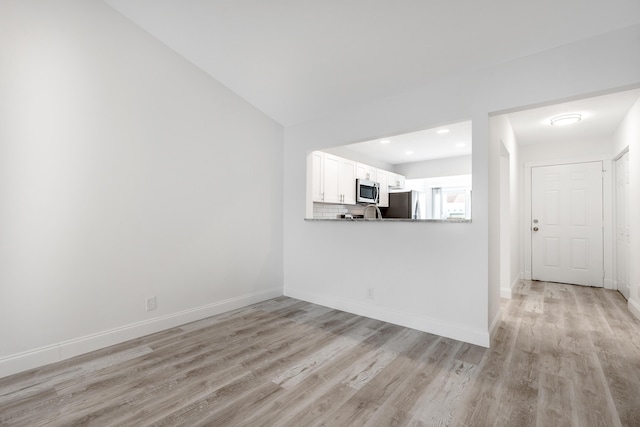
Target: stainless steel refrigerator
x,y
406,204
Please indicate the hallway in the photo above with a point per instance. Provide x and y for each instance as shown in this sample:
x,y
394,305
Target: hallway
x,y
562,355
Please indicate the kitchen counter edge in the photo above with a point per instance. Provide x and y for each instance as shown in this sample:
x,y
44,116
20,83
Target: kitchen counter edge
x,y
387,220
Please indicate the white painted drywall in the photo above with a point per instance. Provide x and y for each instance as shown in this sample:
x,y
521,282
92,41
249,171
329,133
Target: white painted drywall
x,y
450,166
346,153
570,150
506,177
431,276
628,135
125,172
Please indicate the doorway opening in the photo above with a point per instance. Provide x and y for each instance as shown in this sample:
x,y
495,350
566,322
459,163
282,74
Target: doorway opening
x,y
533,142
567,223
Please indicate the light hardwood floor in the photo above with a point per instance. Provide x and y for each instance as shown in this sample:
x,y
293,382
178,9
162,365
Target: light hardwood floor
x,y
563,355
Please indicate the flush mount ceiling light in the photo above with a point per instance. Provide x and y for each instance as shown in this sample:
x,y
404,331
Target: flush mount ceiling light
x,y
385,141
566,119
443,131
408,153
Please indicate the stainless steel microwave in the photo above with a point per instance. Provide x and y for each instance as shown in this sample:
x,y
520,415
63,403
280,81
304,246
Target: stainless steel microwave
x,y
367,191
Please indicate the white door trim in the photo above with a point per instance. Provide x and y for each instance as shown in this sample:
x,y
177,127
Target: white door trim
x,y
614,164
607,206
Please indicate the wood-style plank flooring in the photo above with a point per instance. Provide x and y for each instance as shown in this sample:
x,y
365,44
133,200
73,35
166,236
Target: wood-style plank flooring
x,y
562,356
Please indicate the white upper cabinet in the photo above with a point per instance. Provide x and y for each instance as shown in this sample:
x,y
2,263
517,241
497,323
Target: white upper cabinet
x,y
382,177
366,172
333,179
348,181
331,175
317,178
395,180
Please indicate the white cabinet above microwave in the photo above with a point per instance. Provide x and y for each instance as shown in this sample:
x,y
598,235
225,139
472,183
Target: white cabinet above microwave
x,y
366,172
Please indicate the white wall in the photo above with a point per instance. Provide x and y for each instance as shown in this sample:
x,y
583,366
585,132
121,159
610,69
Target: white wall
x,y
356,156
569,150
506,197
450,166
125,172
434,276
628,135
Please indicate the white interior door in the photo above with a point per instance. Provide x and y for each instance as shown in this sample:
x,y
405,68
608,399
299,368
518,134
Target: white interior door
x,y
623,229
566,229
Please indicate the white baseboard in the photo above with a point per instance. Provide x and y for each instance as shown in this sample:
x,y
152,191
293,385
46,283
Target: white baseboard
x,y
527,275
634,308
508,293
20,362
608,284
494,323
474,336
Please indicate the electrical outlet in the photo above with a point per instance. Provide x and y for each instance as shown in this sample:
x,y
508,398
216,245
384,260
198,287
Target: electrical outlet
x,y
151,303
370,293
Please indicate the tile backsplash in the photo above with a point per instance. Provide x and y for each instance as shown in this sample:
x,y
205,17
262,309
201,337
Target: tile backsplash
x,y
329,211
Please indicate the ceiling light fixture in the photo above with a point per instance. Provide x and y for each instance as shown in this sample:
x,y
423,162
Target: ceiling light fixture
x,y
566,119
443,131
408,153
385,141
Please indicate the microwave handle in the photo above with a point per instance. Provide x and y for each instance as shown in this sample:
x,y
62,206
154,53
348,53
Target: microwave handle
x,y
376,195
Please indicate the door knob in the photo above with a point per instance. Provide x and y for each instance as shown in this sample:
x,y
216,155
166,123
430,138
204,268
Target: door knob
x,y
535,228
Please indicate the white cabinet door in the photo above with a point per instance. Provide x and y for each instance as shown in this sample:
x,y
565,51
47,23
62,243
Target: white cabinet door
x,y
317,179
348,181
331,174
382,177
333,179
366,172
395,180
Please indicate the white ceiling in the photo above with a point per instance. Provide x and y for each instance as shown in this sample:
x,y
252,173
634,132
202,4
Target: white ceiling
x,y
422,145
296,60
601,116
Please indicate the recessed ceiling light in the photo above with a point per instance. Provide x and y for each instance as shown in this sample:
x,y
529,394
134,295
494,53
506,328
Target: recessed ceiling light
x,y
385,141
566,119
408,153
443,131
461,145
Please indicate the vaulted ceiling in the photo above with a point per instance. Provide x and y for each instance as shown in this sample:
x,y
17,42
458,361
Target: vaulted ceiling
x,y
299,59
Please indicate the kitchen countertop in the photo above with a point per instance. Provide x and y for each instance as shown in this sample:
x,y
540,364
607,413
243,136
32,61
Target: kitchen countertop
x,y
387,220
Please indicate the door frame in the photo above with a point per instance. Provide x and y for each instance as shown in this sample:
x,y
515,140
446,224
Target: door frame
x,y
607,211
614,164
